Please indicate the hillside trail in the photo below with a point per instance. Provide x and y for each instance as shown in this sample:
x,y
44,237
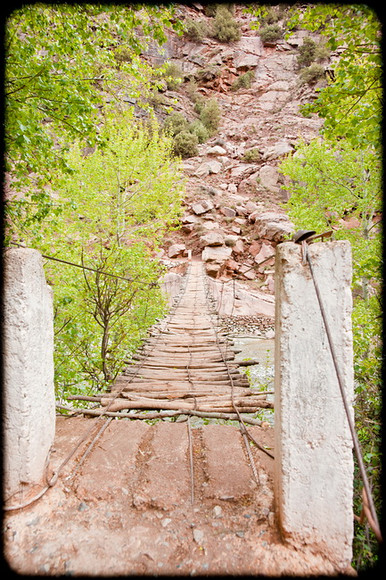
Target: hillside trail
x,y
163,498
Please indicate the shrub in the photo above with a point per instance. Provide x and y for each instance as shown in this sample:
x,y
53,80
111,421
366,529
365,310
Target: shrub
x,y
210,115
199,129
251,156
225,27
196,29
122,54
310,51
270,33
244,81
210,9
312,73
173,75
175,123
307,52
185,144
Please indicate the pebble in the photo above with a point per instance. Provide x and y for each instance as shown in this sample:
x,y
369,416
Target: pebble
x,y
217,511
258,325
82,506
198,535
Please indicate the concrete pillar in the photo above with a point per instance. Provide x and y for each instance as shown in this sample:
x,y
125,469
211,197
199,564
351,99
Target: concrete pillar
x,y
313,445
28,369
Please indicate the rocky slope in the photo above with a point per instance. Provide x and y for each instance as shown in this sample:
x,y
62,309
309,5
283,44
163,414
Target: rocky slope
x,y
234,215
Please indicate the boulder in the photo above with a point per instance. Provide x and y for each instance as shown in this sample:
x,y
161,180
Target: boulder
x,y
281,148
218,254
238,248
255,248
216,150
213,269
202,206
271,225
175,250
228,211
230,240
212,239
246,61
249,184
269,176
243,170
210,225
215,259
250,206
208,168
189,219
265,252
247,271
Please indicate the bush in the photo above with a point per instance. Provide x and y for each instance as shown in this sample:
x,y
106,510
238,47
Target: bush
x,y
312,73
199,129
225,27
175,123
122,54
196,29
210,9
185,144
173,76
251,156
270,33
310,51
244,81
210,115
307,51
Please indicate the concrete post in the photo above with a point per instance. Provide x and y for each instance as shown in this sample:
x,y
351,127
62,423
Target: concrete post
x,y
313,445
28,369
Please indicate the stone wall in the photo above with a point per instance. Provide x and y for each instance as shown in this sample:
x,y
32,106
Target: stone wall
x,y
313,447
28,369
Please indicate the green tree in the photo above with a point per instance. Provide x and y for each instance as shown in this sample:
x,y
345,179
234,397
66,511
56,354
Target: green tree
x,y
117,203
351,105
60,71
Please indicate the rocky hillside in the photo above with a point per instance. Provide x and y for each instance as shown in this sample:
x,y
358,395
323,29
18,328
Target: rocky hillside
x,y
234,216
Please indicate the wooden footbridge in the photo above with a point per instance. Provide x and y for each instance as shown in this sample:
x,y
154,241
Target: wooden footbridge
x,y
186,365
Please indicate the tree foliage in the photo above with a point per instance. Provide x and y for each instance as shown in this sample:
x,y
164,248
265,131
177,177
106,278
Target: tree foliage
x,y
57,82
117,203
351,105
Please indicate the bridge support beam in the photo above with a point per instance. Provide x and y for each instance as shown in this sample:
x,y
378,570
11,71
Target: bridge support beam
x,y
28,369
313,445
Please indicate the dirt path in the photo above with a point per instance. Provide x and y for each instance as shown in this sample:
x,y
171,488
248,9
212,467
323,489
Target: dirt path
x,y
129,509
